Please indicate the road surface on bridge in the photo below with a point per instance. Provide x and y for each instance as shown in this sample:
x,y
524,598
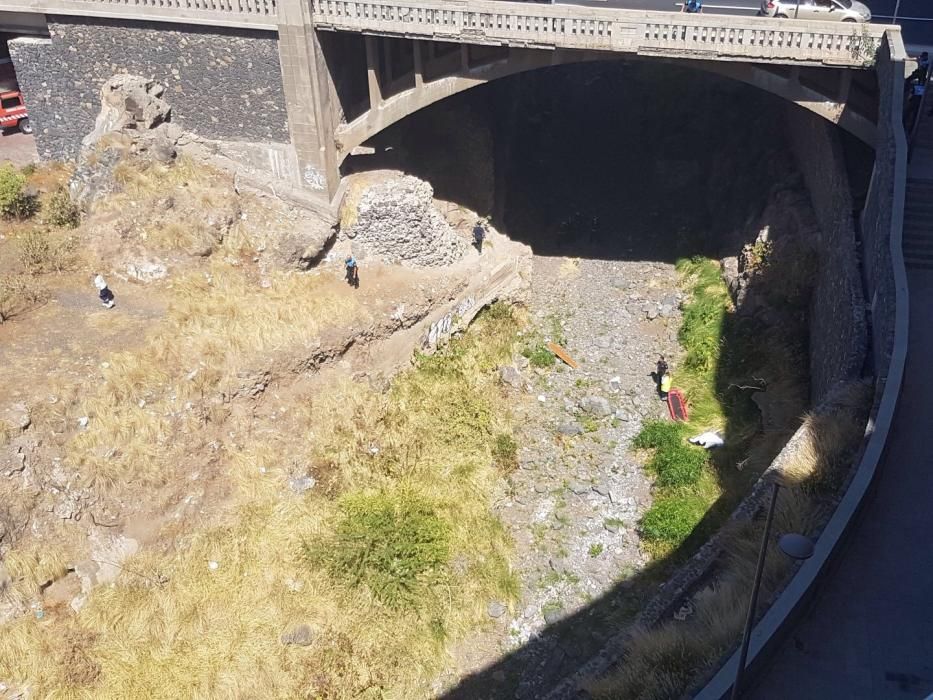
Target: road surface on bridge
x,y
914,16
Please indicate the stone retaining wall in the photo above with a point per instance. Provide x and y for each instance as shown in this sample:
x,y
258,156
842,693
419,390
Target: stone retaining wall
x,y
838,326
874,231
222,83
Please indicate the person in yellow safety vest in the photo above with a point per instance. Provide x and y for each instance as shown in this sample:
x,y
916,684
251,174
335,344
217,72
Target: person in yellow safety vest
x,y
665,385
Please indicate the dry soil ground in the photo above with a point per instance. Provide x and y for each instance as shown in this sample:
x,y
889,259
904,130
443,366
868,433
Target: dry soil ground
x,y
17,148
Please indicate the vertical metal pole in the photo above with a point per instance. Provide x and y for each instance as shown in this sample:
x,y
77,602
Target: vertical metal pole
x,y
753,603
797,9
897,8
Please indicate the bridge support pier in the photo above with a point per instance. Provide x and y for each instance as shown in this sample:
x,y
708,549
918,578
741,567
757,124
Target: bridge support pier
x,y
309,94
372,73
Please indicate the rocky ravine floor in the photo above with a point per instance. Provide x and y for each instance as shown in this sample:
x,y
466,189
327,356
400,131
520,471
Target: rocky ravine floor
x,y
573,504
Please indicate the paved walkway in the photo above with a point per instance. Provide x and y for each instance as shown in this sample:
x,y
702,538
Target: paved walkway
x,y
869,633
19,149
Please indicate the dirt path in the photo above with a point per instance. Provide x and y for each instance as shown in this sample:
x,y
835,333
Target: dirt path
x,y
17,148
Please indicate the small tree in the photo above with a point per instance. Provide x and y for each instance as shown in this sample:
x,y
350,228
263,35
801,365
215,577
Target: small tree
x,y
17,294
15,202
60,211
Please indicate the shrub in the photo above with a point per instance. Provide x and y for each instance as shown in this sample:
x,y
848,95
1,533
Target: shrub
x,y
15,202
60,211
673,517
39,253
539,356
391,542
505,452
758,254
17,294
498,310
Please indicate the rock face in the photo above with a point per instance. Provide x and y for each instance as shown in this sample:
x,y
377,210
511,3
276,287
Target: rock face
x,y
302,246
129,102
398,222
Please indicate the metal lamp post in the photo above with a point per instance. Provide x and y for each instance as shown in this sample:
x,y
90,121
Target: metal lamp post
x,y
796,547
897,8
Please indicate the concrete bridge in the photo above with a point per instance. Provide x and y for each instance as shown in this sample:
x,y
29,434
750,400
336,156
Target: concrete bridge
x,y
312,79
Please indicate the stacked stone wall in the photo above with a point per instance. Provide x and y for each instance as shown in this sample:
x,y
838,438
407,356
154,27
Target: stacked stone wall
x,y
223,84
875,229
838,323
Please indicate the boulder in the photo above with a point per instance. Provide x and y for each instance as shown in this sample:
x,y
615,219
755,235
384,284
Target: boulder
x,y
495,609
300,635
129,102
145,270
596,405
302,246
511,376
569,428
17,418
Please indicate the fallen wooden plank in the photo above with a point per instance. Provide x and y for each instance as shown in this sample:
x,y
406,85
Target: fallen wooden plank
x,y
562,354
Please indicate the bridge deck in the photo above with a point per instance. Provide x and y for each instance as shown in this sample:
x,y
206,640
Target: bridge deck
x,y
670,34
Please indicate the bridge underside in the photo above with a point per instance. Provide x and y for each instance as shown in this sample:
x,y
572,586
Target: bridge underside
x,y
404,76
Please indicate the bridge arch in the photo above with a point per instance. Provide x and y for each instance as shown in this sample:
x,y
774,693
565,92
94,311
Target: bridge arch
x,y
827,92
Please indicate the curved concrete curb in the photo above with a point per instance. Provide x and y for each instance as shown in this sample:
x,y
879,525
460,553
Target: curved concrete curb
x,y
791,602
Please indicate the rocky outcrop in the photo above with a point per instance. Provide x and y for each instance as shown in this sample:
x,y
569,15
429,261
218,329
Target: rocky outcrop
x,y
129,102
396,221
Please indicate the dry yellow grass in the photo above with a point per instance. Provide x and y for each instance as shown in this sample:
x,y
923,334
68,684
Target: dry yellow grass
x,y
220,323
826,439
174,627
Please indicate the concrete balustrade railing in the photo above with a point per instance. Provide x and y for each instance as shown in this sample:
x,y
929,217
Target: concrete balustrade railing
x,y
573,27
255,14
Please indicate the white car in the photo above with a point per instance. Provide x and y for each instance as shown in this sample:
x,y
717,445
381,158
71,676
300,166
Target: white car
x,y
827,10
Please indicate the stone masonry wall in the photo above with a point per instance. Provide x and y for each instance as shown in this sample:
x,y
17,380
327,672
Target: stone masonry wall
x,y
222,83
838,328
875,229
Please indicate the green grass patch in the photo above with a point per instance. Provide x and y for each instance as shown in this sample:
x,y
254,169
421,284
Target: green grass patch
x,y
673,517
678,466
596,549
659,434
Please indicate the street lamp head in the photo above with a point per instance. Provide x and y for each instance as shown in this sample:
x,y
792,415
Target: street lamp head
x,y
796,546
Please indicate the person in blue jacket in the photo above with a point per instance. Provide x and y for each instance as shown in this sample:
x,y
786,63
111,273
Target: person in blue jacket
x,y
353,271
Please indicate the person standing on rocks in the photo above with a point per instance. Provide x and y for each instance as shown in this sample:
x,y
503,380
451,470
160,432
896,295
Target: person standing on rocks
x,y
353,272
663,377
103,292
479,234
